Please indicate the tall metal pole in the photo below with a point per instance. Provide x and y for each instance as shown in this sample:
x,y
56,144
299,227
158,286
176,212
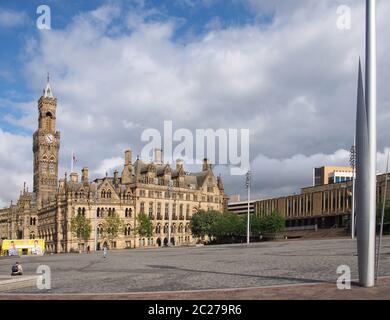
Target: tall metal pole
x,y
170,187
248,186
366,157
353,205
353,165
382,218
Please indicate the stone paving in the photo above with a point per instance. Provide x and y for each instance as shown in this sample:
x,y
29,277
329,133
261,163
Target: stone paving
x,y
198,268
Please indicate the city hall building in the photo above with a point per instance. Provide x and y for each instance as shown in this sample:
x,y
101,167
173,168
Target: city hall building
x,y
155,189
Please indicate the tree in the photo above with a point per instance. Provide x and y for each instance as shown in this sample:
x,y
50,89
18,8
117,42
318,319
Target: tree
x,y
379,212
145,226
228,225
112,226
256,225
81,227
202,221
272,223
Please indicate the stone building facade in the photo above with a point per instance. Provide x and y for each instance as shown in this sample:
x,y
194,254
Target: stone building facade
x,y
169,196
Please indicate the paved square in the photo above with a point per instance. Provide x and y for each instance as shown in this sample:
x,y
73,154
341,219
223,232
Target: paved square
x,y
194,268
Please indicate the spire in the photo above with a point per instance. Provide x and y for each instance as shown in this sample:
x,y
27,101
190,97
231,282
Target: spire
x,y
48,93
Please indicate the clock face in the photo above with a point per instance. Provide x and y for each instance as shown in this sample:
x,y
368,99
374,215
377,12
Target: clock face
x,y
49,138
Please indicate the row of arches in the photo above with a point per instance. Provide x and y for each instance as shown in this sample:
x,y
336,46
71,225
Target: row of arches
x,y
174,228
106,194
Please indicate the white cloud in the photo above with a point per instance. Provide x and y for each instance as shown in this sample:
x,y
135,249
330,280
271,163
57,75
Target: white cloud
x,y
16,165
10,19
108,165
292,83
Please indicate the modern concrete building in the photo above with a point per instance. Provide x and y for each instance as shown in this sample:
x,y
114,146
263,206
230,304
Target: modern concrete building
x,y
328,175
324,206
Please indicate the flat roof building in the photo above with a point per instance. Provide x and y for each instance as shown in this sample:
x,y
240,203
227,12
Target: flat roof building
x,y
331,174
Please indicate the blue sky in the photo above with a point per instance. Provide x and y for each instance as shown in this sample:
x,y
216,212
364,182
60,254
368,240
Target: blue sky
x,y
281,69
193,20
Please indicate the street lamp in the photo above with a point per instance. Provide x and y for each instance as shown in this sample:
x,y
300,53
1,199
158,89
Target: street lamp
x,y
248,186
352,161
170,188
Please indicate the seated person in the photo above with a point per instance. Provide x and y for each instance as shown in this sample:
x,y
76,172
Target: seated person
x,y
16,270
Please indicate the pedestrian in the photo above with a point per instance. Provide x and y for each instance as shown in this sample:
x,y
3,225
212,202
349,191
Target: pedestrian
x,y
16,269
104,252
88,250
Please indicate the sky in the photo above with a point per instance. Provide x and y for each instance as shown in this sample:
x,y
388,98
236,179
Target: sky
x,y
282,69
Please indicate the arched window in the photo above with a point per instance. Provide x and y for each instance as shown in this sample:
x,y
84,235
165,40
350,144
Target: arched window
x,y
109,194
98,212
100,230
103,194
79,211
127,230
83,212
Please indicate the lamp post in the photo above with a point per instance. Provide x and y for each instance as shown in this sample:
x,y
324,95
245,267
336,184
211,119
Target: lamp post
x,y
170,188
352,161
248,186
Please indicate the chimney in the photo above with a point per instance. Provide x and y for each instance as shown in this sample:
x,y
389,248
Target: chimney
x,y
74,177
128,157
179,164
206,165
84,174
158,156
115,176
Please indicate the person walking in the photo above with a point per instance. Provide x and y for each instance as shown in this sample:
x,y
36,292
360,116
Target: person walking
x,y
105,252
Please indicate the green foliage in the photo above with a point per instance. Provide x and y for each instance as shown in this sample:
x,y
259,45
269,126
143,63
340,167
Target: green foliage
x,y
379,212
145,226
228,225
81,227
202,221
112,226
272,223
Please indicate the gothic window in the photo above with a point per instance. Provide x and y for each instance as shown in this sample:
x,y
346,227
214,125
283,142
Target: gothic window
x,y
109,194
103,194
127,230
98,212
159,208
150,210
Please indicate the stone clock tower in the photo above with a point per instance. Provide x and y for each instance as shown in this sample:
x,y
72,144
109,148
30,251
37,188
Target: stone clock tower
x,y
46,145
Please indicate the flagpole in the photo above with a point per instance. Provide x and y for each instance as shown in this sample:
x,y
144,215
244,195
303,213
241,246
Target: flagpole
x,y
366,157
71,162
